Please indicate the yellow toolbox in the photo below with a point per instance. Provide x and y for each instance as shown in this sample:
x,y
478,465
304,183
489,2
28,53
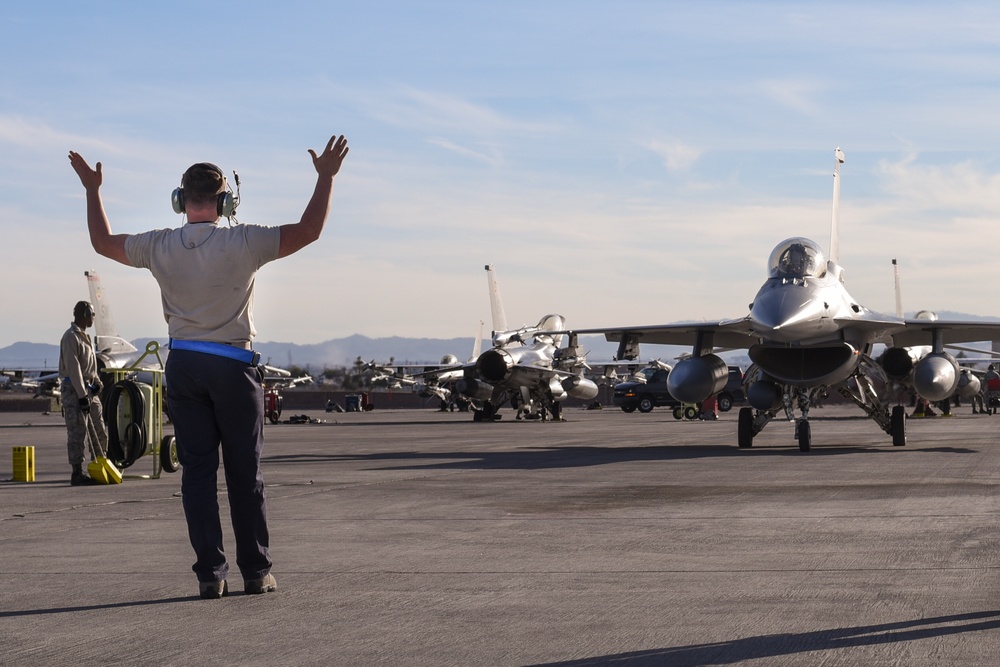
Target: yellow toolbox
x,y
24,464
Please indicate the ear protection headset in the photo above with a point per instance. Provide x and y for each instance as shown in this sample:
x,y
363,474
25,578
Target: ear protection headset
x,y
83,309
226,202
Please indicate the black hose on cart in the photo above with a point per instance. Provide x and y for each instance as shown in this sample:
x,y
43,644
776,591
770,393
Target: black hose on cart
x,y
129,445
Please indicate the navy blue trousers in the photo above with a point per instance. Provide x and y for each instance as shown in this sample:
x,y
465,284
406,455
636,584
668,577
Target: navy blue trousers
x,y
217,404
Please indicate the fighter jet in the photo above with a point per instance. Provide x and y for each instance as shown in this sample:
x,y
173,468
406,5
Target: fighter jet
x,y
439,380
525,365
34,381
899,363
805,334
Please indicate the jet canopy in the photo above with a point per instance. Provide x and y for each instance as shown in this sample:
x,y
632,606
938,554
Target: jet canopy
x,y
796,258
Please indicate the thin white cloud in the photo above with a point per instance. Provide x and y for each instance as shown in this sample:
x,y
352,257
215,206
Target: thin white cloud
x,y
963,188
23,132
491,158
676,155
434,112
797,95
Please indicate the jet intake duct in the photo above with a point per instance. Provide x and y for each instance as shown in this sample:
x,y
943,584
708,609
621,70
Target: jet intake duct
x,y
474,389
806,366
764,395
494,365
696,378
935,377
579,387
897,362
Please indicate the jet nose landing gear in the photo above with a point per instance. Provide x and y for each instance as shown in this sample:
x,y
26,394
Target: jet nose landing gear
x,y
803,434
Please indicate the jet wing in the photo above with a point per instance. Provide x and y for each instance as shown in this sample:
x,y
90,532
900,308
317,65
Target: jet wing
x,y
735,334
436,372
739,334
921,332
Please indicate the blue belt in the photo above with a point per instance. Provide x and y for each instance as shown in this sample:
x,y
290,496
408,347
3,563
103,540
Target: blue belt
x,y
218,349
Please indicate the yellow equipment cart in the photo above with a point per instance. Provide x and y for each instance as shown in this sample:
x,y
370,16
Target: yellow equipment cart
x,y
133,411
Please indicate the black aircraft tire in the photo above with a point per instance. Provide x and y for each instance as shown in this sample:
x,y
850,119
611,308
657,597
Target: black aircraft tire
x,y
805,436
690,412
745,430
898,426
678,413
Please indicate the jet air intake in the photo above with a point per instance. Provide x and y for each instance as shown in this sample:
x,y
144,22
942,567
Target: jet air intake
x,y
806,366
897,362
935,377
696,378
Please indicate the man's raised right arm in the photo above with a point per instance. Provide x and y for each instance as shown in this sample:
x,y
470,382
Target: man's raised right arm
x,y
297,236
105,243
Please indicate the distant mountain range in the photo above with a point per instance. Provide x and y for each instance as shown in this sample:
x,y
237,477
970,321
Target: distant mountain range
x,y
343,351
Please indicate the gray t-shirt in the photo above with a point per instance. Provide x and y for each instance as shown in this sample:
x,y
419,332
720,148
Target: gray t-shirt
x,y
206,276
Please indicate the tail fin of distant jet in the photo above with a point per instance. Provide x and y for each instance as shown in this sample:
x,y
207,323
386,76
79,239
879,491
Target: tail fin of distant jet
x,y
899,294
104,324
477,343
835,227
496,306
105,332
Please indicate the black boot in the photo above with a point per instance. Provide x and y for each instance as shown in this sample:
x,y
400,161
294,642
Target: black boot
x,y
79,478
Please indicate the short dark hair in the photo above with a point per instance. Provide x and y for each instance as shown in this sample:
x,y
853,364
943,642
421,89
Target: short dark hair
x,y
202,182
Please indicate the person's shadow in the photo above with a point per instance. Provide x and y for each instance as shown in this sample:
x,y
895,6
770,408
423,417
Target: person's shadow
x,y
767,646
14,613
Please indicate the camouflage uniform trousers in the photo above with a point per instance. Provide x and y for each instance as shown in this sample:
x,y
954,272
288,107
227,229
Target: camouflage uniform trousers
x,y
76,426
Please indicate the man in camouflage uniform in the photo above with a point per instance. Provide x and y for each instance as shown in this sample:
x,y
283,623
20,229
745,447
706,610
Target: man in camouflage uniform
x,y
80,391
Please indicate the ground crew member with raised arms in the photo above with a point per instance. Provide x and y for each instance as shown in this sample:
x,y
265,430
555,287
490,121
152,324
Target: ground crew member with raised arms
x,y
80,391
214,395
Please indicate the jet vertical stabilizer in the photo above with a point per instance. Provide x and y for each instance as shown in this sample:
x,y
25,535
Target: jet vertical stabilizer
x,y
477,343
105,332
496,305
899,294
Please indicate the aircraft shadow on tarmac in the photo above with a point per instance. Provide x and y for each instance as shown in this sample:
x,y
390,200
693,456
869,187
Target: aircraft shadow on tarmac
x,y
536,458
768,646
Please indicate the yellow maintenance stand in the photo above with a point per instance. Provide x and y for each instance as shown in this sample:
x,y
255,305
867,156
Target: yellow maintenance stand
x,y
134,413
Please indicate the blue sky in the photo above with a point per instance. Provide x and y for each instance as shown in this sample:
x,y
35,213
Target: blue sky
x,y
618,162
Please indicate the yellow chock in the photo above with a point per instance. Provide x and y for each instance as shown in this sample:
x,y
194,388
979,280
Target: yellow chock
x,y
24,464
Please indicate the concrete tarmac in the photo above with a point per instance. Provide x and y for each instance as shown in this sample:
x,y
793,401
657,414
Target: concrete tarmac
x,y
421,538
